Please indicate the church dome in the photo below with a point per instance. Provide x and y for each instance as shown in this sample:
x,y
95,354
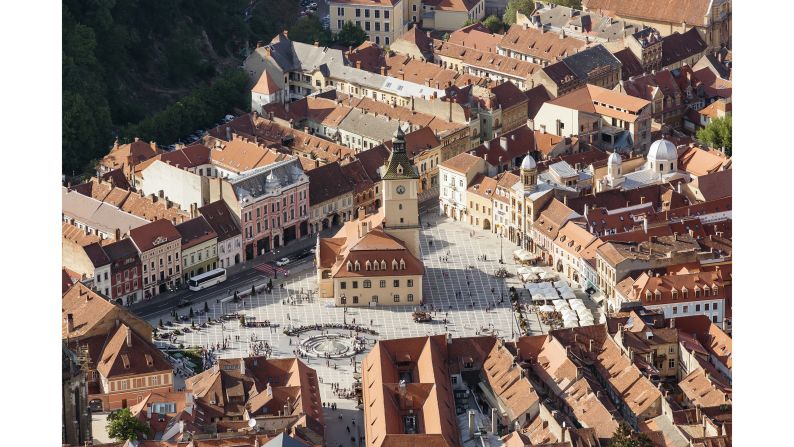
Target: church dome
x,y
614,159
529,163
662,150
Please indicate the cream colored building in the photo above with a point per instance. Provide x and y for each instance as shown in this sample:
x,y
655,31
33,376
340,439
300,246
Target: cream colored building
x,y
444,15
382,20
375,260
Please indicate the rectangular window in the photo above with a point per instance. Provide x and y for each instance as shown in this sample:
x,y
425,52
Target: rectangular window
x,y
671,363
366,13
355,284
410,297
396,283
396,298
686,309
714,306
385,14
358,12
706,306
342,285
377,13
410,283
340,11
382,283
367,284
366,26
675,310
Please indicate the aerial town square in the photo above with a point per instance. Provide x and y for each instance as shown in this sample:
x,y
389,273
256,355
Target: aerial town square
x,y
391,223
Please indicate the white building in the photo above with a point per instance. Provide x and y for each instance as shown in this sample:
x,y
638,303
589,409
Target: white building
x,y
455,176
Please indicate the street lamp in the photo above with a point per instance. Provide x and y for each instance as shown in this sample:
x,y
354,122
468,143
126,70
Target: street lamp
x,y
501,259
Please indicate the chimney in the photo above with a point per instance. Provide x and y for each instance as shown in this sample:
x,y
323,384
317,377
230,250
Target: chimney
x,y
181,426
153,145
503,143
471,423
672,323
160,194
563,433
129,337
591,346
316,44
69,323
358,65
228,133
383,71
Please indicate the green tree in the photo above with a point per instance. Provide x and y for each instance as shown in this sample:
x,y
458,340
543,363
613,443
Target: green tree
x,y
308,29
493,23
624,436
575,4
523,6
191,314
123,426
718,134
350,35
206,307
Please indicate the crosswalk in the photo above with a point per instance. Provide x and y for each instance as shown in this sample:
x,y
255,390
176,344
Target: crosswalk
x,y
271,270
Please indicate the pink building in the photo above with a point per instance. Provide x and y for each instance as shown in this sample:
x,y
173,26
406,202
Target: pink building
x,y
272,204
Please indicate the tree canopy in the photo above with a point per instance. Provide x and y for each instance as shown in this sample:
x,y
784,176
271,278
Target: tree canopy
x,y
624,436
123,60
523,6
123,426
718,133
350,35
308,29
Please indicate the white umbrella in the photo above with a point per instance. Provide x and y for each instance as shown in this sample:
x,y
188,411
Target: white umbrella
x,y
547,308
570,323
523,271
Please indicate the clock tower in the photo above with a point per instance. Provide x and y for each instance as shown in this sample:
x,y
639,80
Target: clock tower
x,y
400,200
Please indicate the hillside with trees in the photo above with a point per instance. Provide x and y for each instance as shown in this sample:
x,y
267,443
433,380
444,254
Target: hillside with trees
x,y
126,62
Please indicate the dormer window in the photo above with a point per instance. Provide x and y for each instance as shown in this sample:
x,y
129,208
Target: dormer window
x,y
383,265
368,266
658,295
685,292
706,291
394,264
697,292
647,295
714,289
349,266
674,292
402,264
358,266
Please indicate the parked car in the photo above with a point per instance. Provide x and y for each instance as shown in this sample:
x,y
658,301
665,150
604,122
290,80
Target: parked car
x,y
282,262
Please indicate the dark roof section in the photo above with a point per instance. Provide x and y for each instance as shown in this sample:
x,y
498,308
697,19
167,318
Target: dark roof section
x,y
119,250
418,141
631,65
326,182
507,95
677,47
536,97
580,64
96,254
357,175
195,231
116,178
373,159
220,218
716,185
616,199
145,236
242,125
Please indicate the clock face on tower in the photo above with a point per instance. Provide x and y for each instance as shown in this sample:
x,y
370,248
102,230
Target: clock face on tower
x,y
400,189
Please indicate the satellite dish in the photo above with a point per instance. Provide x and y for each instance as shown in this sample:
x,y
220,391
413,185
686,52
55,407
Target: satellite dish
x,y
252,423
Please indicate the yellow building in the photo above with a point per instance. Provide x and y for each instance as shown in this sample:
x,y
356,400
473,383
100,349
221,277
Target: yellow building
x,y
381,20
375,259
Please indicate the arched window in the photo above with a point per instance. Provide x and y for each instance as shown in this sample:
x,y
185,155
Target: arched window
x,y
402,264
394,264
383,265
706,291
674,292
358,266
647,295
349,266
368,266
658,295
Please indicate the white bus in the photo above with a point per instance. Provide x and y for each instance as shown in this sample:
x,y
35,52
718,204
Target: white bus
x,y
207,279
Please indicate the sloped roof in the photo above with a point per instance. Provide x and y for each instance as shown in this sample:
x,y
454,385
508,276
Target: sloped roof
x,y
691,12
265,85
145,236
126,354
220,218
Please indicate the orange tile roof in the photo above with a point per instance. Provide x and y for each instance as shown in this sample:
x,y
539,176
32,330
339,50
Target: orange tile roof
x,y
704,390
127,354
462,163
542,45
121,156
241,154
475,36
595,99
691,12
265,84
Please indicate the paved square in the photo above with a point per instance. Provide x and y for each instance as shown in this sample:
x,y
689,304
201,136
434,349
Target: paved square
x,y
450,251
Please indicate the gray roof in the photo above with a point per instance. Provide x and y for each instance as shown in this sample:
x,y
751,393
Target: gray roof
x,y
563,169
587,60
283,440
599,26
368,125
103,216
268,180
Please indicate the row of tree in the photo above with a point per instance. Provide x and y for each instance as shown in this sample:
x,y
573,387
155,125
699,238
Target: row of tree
x,y
308,29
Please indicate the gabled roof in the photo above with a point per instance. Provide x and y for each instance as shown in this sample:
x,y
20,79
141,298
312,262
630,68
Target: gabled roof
x,y
677,47
544,45
536,96
126,354
327,182
88,309
265,85
691,12
595,99
195,231
220,218
153,234
462,163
